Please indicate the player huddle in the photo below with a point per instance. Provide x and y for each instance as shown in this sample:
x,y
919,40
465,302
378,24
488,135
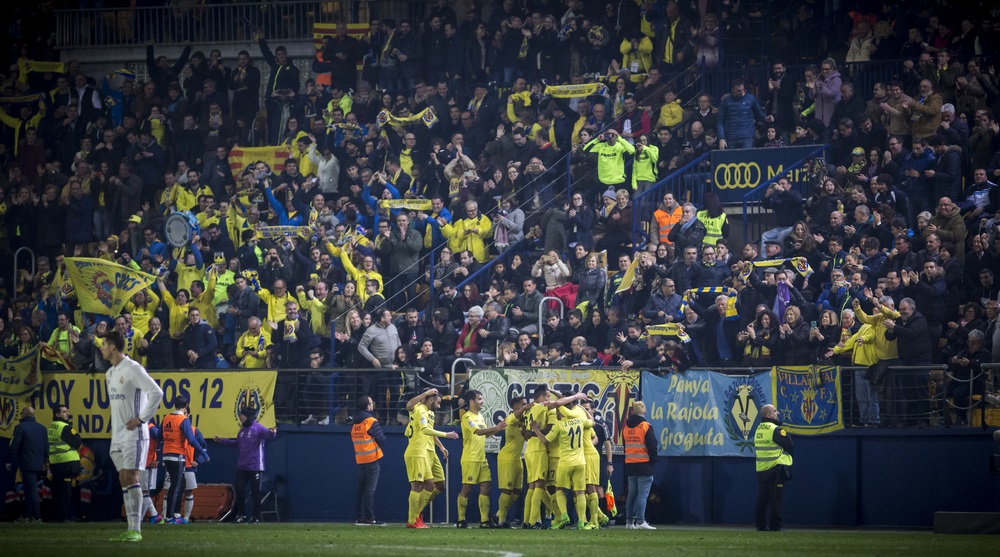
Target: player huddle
x,y
557,437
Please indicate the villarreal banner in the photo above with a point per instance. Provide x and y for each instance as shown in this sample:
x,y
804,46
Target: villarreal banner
x,y
242,157
705,413
104,287
215,397
612,390
808,399
19,375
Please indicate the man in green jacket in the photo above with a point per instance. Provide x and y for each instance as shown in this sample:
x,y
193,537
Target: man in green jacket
x,y
64,461
611,150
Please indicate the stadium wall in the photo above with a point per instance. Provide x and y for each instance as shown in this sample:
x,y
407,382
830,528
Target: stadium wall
x,y
871,478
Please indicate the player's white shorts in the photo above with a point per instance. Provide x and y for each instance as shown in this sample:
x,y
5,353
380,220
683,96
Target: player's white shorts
x,y
147,480
190,481
130,454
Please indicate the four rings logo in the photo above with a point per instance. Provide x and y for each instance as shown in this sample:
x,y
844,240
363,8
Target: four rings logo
x,y
738,175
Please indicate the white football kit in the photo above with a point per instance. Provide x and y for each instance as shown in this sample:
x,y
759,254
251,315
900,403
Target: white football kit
x,y
132,394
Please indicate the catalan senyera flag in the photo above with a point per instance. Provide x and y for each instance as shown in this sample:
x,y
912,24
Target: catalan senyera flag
x,y
320,30
104,287
19,374
242,157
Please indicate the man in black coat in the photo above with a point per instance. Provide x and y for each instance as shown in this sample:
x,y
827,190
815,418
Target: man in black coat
x,y
293,342
911,331
342,52
199,342
495,331
780,96
29,449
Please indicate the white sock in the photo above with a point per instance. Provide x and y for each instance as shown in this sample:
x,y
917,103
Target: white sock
x,y
133,506
188,505
147,505
163,503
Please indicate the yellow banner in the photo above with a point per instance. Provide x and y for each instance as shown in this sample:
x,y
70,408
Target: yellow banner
x,y
242,157
409,204
573,91
27,66
668,330
276,232
104,287
216,398
19,375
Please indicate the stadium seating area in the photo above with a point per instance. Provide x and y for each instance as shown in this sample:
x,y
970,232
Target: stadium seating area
x,y
472,174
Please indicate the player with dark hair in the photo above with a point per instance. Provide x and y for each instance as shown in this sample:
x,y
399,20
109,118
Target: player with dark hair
x,y
177,436
510,471
134,398
475,468
419,470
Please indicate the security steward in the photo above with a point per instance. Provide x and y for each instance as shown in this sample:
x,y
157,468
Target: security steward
x,y
368,438
64,462
774,468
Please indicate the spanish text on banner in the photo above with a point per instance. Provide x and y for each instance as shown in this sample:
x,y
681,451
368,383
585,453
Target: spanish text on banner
x,y
705,413
104,287
808,399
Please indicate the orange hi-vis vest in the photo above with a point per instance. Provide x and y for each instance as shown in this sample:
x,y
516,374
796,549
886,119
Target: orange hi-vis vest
x,y
635,443
366,450
174,441
667,221
151,453
189,450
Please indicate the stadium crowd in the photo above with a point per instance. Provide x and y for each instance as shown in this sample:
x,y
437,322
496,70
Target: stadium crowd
x,y
516,193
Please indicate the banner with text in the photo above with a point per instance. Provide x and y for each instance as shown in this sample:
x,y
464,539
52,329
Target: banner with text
x,y
19,374
705,413
104,287
808,399
215,396
735,172
613,391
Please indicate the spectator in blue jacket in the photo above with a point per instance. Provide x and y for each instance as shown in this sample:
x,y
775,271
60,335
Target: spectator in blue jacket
x,y
739,112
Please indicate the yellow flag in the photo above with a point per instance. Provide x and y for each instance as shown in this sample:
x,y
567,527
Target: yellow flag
x,y
629,277
104,287
18,375
578,90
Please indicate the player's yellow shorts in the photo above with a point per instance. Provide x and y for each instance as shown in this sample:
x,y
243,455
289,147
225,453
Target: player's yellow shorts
x,y
510,474
550,478
434,468
572,477
538,465
416,468
593,469
476,473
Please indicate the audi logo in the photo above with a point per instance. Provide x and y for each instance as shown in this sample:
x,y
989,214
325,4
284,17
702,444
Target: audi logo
x,y
737,175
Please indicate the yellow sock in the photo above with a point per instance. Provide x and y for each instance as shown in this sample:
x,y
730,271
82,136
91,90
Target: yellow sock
x,y
550,502
594,507
425,499
434,493
484,508
581,507
505,502
561,503
536,505
463,504
413,505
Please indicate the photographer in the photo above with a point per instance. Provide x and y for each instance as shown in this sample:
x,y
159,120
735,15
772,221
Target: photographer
x,y
611,150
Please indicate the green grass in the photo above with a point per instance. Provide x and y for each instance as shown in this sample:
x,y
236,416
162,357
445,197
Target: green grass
x,y
348,540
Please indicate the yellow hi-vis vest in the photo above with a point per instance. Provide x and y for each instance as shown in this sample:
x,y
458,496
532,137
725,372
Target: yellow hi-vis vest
x,y
713,227
59,450
769,453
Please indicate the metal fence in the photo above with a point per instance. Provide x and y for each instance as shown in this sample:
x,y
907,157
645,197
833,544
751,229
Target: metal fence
x,y
903,396
687,183
756,218
219,23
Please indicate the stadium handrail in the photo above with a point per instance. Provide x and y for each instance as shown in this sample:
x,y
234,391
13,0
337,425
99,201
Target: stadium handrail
x,y
747,197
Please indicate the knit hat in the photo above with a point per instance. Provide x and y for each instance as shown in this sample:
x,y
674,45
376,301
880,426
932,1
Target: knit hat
x,y
609,194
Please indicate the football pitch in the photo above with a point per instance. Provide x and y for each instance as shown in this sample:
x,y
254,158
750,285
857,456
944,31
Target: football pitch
x,y
91,540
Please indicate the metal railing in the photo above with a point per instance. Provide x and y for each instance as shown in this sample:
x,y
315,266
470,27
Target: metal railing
x,y
541,316
688,180
219,23
753,200
17,254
